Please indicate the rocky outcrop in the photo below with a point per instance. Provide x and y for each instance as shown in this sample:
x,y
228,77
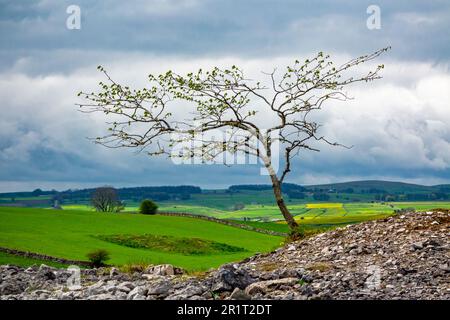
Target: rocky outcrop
x,y
401,257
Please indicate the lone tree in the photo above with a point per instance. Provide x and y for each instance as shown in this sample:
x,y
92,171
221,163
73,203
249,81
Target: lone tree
x,y
224,99
148,207
105,199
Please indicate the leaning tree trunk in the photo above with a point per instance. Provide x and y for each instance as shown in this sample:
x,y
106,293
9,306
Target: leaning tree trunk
x,y
276,185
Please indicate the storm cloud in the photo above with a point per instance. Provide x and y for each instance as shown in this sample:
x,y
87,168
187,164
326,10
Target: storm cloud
x,y
398,126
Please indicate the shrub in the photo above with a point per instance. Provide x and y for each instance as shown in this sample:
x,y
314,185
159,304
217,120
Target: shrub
x,y
148,207
98,257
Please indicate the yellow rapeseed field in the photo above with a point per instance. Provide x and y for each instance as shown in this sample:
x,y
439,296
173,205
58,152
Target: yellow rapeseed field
x,y
323,205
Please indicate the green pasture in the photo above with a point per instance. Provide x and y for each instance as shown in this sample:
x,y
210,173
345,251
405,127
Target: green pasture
x,y
309,213
422,205
78,229
11,259
71,234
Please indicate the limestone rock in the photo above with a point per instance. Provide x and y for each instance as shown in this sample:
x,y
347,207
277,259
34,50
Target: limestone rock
x,y
162,270
269,285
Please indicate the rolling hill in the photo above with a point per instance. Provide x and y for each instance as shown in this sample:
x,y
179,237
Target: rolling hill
x,y
388,186
130,238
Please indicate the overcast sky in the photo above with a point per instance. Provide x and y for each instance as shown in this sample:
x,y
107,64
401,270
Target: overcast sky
x,y
399,126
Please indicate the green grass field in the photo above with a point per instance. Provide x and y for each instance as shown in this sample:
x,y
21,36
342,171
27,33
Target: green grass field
x,y
72,234
6,258
313,217
309,213
421,205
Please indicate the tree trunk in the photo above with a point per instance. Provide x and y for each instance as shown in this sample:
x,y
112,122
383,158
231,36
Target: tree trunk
x,y
280,202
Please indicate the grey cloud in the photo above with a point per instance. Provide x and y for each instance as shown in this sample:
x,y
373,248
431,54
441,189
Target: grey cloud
x,y
398,126
244,28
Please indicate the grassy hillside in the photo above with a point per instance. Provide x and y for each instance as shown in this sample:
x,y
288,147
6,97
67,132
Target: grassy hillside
x,y
6,258
389,186
308,213
186,242
189,199
72,234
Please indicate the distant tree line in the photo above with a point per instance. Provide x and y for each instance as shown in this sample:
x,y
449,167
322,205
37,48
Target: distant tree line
x,y
174,193
159,193
319,196
296,194
285,187
413,197
249,187
134,194
34,193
